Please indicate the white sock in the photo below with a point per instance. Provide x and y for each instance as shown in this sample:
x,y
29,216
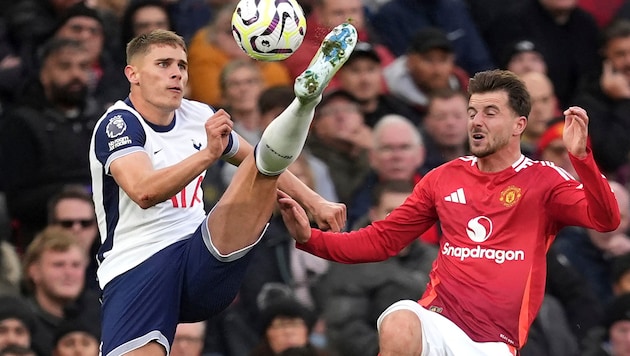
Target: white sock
x,y
283,140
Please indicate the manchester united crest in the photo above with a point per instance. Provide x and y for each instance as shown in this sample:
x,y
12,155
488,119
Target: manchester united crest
x,y
510,195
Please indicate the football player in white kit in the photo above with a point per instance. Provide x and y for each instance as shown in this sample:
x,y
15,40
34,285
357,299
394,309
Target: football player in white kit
x,y
163,261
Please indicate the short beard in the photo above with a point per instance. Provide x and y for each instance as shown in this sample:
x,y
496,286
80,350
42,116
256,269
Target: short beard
x,y
63,96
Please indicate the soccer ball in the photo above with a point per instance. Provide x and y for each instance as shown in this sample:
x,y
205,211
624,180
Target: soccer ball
x,y
268,30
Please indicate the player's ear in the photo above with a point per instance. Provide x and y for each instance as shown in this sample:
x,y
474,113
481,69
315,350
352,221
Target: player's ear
x,y
132,74
519,125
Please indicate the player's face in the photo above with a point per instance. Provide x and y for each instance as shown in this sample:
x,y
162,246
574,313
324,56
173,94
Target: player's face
x,y
431,70
80,214
64,76
60,274
361,78
284,333
77,343
161,76
14,332
491,123
447,122
620,338
396,155
618,52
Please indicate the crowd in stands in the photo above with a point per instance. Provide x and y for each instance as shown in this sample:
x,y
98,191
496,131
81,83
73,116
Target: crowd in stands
x,y
395,110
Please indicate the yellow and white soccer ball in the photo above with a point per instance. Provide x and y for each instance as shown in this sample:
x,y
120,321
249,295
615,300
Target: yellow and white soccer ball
x,y
269,30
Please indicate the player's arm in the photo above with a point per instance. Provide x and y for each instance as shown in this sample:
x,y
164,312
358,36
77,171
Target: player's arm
x,y
594,206
146,186
327,215
377,242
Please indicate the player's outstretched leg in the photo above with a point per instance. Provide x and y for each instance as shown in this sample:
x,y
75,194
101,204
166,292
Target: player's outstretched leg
x,y
283,140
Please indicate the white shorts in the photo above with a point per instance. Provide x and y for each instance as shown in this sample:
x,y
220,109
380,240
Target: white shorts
x,y
441,337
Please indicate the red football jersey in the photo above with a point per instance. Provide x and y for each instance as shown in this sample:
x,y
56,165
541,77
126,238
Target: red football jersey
x,y
489,277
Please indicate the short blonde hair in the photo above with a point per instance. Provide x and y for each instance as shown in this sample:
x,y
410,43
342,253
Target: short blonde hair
x,y
142,44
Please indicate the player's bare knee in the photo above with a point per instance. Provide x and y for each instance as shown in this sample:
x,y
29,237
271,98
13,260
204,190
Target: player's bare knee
x,y
400,330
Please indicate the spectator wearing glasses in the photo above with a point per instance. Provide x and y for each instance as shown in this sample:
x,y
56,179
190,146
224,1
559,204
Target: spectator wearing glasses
x,y
54,269
72,209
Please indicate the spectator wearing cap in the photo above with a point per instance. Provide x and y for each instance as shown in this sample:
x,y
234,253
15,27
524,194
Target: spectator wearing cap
x,y
84,24
324,16
428,65
17,322
362,76
341,139
565,35
399,20
77,336
523,57
606,97
286,324
613,338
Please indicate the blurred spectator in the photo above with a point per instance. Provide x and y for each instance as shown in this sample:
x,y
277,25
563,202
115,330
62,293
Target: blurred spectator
x,y
241,84
30,23
106,80
362,76
17,322
72,209
286,323
445,128
621,274
271,103
428,65
46,136
592,254
523,57
77,337
607,100
602,10
342,140
211,49
10,269
613,338
355,295
565,35
54,268
189,339
397,154
325,15
14,350
544,109
400,20
140,17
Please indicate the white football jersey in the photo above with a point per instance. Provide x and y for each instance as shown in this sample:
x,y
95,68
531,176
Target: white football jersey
x,y
130,234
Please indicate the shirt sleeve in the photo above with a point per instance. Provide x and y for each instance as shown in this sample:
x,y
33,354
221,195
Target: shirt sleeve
x,y
589,203
118,134
384,238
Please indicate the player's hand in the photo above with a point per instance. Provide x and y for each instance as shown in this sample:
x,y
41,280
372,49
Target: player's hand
x,y
575,131
329,215
295,218
218,129
614,83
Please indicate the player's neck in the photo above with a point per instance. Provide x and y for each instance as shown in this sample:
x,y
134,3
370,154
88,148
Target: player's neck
x,y
150,112
499,160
